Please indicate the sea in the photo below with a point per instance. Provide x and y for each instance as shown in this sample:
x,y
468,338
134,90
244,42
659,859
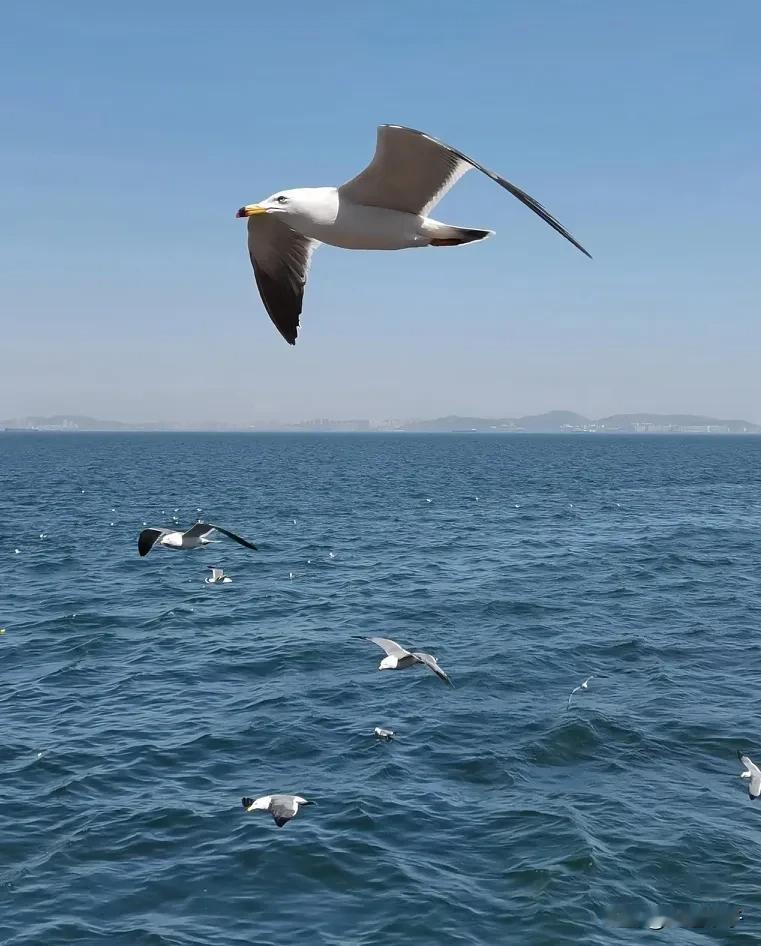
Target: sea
x,y
139,704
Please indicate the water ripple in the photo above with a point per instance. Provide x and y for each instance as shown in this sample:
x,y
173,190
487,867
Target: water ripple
x,y
140,704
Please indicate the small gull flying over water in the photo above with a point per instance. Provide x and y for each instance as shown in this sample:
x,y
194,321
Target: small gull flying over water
x,y
581,686
386,735
385,207
281,807
753,773
193,538
397,658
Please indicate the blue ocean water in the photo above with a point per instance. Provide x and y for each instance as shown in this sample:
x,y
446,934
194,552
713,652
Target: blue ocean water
x,y
139,704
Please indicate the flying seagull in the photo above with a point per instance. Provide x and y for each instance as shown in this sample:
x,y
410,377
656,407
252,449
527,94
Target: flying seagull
x,y
753,773
385,207
193,538
281,807
397,658
217,577
582,686
384,734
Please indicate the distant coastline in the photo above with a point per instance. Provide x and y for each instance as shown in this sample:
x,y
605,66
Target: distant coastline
x,y
551,422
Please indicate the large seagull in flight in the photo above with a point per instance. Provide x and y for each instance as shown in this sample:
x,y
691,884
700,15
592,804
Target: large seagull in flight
x,y
385,207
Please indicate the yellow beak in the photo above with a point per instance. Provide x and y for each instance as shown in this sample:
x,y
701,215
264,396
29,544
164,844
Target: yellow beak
x,y
251,210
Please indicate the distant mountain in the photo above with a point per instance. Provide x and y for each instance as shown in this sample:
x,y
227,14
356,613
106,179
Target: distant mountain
x,y
686,422
552,422
72,422
452,424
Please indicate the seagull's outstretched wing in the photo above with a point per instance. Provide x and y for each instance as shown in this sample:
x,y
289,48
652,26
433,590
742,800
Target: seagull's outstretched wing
x,y
282,814
283,808
280,258
391,647
411,172
433,665
198,530
754,785
203,528
148,538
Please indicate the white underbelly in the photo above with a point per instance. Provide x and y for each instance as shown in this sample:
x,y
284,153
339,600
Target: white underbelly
x,y
369,228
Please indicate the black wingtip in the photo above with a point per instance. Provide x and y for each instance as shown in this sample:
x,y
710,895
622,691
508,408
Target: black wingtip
x,y
247,802
531,202
233,536
145,541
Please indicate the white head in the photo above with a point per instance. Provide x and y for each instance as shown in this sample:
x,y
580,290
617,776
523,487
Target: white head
x,y
259,804
388,663
297,202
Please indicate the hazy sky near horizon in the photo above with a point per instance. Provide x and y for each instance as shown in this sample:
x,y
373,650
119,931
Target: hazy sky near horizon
x,y
132,133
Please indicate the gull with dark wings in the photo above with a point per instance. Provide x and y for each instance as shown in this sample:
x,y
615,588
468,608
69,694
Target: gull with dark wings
x,y
282,807
397,658
194,538
385,207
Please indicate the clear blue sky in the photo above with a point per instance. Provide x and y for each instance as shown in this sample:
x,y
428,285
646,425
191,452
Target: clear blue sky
x,y
131,132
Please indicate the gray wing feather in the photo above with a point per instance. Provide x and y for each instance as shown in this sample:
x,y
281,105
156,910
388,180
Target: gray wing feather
x,y
411,171
282,808
433,665
280,258
203,528
749,764
235,538
198,530
391,647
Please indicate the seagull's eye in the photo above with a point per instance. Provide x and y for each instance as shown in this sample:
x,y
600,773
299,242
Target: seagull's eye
x,y
281,199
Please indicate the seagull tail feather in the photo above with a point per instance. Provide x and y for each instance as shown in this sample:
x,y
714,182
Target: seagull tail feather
x,y
456,236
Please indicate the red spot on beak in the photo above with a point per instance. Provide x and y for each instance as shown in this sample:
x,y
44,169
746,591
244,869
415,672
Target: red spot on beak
x,y
241,212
